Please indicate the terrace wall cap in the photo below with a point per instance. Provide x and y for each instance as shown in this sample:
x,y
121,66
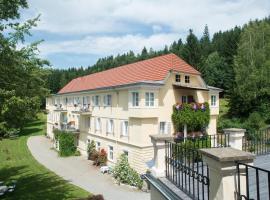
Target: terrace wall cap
x,y
234,130
161,137
227,154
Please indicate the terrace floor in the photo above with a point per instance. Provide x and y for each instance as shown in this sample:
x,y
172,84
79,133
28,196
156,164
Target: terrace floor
x,y
80,172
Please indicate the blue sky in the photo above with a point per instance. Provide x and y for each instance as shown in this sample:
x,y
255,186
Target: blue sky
x,y
78,32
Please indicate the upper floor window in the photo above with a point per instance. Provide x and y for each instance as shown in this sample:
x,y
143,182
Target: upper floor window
x,y
135,99
77,101
70,100
96,100
110,126
213,100
87,122
98,124
187,79
178,78
124,128
86,100
107,101
149,99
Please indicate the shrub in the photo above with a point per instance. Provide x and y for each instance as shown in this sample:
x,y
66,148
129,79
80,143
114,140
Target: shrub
x,y
66,143
91,147
123,173
196,116
93,197
101,158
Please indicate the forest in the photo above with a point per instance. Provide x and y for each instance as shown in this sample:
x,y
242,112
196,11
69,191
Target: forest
x,y
236,60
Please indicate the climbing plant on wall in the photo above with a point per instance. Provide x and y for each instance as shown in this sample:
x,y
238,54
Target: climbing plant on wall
x,y
66,143
195,115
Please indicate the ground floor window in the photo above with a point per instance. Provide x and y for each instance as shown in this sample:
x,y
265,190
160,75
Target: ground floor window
x,y
164,127
126,153
110,153
98,146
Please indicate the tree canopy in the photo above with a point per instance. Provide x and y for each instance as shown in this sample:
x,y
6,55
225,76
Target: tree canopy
x,y
22,77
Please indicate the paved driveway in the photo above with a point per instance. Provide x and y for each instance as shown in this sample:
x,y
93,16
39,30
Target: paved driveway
x,y
80,172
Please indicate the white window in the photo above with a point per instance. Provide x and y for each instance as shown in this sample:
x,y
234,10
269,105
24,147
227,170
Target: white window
x,y
125,152
86,101
70,100
107,101
77,101
187,79
110,153
213,100
98,146
164,127
124,128
178,78
110,126
87,122
98,124
96,100
184,99
135,99
149,99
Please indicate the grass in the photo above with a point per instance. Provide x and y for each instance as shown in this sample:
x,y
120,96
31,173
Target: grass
x,y
34,181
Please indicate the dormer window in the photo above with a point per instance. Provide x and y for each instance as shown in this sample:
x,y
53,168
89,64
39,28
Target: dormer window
x,y
187,79
178,78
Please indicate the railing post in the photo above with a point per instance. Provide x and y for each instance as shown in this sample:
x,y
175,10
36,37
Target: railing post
x,y
235,137
223,171
158,170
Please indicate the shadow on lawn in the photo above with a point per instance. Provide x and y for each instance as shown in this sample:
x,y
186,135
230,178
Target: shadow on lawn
x,y
35,186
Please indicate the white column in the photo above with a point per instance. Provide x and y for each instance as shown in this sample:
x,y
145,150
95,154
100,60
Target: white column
x,y
223,172
235,137
158,170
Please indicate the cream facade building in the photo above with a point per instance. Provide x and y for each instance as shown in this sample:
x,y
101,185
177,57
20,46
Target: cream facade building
x,y
119,108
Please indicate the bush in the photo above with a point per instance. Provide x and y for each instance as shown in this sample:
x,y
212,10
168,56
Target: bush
x,y
254,122
91,147
66,143
123,173
93,197
101,158
196,116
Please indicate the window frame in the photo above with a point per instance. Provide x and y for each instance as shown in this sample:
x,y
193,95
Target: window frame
x,y
187,79
96,100
124,128
213,103
135,99
107,100
149,100
184,97
110,123
98,122
110,153
177,78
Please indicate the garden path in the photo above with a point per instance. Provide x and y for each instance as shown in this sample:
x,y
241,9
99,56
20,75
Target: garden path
x,y
80,172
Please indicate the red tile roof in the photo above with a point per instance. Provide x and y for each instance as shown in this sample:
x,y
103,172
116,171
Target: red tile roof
x,y
154,69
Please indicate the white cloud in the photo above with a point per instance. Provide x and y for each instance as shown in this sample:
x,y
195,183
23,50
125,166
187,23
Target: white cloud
x,y
118,16
107,45
117,26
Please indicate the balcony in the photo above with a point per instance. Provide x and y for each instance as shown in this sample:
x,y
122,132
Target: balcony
x,y
68,127
59,108
82,110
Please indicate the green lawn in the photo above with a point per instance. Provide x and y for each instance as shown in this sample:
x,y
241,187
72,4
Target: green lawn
x,y
34,181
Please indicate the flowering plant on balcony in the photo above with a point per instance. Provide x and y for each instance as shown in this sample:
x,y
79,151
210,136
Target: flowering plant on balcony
x,y
195,115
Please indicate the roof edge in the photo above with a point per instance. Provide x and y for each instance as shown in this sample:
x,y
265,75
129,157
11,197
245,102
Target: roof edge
x,y
150,83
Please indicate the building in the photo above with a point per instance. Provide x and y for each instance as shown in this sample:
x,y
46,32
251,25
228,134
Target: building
x,y
119,108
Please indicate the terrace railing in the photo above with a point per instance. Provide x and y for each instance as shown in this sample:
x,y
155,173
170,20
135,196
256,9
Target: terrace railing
x,y
257,142
257,182
185,167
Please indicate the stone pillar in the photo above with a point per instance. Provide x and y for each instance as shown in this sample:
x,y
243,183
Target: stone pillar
x,y
223,172
235,137
158,170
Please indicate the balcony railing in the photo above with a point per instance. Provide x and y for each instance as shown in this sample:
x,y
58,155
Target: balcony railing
x,y
85,109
